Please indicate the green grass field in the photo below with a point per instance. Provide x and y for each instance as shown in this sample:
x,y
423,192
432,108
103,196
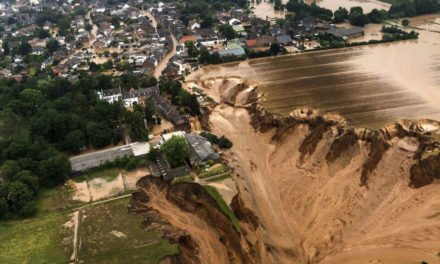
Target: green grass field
x,y
221,202
114,236
40,240
220,178
214,171
108,234
395,1
50,200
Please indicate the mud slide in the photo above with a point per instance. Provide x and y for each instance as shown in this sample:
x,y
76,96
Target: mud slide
x,y
310,190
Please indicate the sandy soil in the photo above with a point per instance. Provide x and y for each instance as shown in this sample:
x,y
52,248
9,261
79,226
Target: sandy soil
x,y
73,224
315,212
131,177
81,191
226,188
101,188
164,124
204,235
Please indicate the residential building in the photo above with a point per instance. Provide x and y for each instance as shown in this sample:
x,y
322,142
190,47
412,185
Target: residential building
x,y
166,109
201,150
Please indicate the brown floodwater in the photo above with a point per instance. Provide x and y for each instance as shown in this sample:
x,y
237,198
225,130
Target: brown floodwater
x,y
367,5
370,86
264,8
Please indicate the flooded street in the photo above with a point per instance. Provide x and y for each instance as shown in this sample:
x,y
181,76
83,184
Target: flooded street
x,y
370,86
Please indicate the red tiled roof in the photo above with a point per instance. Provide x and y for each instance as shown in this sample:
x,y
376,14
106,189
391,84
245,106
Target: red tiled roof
x,y
184,39
251,42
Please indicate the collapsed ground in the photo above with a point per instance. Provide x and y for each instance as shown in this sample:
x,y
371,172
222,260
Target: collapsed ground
x,y
307,193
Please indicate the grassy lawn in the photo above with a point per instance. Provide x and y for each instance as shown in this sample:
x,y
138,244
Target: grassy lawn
x,y
111,235
213,171
395,1
221,202
39,240
188,178
147,254
220,178
109,174
50,200
108,234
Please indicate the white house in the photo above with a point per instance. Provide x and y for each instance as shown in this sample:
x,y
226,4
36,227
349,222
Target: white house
x,y
110,95
165,137
234,22
194,26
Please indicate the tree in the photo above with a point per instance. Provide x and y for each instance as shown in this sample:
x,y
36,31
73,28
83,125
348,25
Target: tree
x,y
54,170
4,207
154,154
357,17
88,27
99,134
19,195
136,125
31,100
224,143
5,47
41,33
9,169
52,45
192,49
275,48
74,141
27,178
376,16
175,150
227,31
24,48
405,22
204,55
278,5
108,65
149,110
193,104
340,15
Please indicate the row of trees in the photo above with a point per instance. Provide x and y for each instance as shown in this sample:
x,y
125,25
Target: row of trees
x,y
222,141
409,8
357,17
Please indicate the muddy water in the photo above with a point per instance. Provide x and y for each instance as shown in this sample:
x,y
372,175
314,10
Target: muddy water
x,y
370,86
367,5
264,9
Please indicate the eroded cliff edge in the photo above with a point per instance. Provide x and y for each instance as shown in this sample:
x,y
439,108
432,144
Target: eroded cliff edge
x,y
312,190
